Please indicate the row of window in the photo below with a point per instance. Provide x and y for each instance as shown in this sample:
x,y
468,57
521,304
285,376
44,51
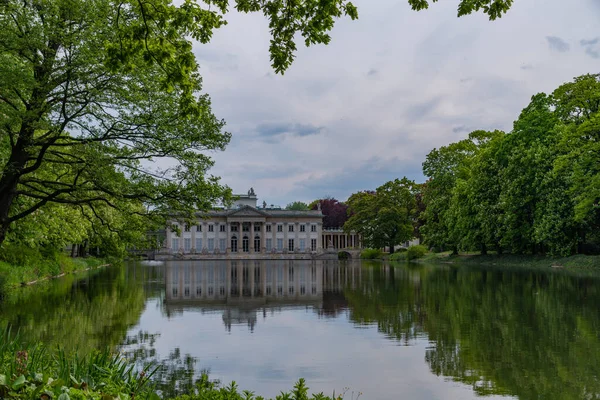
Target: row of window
x,y
222,244
246,228
234,291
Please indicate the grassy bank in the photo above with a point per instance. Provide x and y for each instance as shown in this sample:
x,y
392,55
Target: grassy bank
x,y
579,261
14,275
39,372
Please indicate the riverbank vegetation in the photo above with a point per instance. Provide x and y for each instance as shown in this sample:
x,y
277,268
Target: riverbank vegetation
x,y
40,372
532,191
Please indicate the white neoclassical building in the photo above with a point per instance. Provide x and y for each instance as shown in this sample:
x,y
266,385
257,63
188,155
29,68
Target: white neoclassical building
x,y
247,231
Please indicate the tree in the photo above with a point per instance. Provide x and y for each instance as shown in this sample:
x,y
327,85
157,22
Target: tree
x,y
335,212
91,90
297,206
384,217
494,9
443,167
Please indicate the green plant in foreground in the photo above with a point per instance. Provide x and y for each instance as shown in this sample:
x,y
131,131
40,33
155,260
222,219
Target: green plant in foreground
x,y
36,372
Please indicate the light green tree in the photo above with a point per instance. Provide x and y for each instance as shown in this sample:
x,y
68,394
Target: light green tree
x,y
297,206
386,216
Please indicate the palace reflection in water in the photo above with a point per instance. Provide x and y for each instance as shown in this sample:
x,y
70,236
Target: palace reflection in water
x,y
416,331
243,288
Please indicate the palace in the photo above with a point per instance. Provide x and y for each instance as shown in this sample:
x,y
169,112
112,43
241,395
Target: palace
x,y
246,231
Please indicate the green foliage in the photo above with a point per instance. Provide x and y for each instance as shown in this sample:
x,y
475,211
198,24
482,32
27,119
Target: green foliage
x,y
494,9
531,191
208,390
384,217
343,255
37,371
415,252
90,89
297,206
371,254
399,256
32,371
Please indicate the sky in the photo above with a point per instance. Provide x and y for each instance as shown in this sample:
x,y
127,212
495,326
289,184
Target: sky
x,y
390,87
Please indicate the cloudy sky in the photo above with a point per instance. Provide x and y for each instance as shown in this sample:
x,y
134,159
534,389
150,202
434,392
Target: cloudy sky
x,y
389,87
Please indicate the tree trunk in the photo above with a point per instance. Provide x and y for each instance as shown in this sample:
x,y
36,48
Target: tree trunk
x,y
498,249
391,248
483,249
454,250
8,185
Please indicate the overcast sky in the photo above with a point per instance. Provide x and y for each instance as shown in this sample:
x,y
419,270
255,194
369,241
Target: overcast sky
x,y
389,87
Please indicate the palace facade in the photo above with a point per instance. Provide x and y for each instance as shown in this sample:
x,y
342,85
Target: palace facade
x,y
248,231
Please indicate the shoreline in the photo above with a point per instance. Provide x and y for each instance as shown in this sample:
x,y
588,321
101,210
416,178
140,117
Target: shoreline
x,y
15,276
576,262
47,278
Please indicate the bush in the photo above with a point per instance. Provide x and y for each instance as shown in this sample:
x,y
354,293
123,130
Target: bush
x,y
415,252
343,255
371,254
398,256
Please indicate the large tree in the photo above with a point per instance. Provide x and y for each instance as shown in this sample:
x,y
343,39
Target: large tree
x,y
102,88
335,212
386,216
91,90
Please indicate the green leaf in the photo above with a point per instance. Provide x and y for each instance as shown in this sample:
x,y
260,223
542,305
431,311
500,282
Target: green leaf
x,y
2,380
64,396
19,382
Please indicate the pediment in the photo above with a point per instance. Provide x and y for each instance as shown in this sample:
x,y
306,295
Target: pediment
x,y
247,211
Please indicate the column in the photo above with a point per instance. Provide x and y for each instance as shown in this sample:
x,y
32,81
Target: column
x,y
273,236
296,236
204,234
285,236
251,242
307,239
263,239
228,239
169,239
193,247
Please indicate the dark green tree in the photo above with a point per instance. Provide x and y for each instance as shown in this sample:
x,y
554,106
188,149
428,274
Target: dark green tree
x,y
386,216
100,87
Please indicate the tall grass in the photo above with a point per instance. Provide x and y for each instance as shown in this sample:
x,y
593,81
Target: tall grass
x,y
38,372
35,371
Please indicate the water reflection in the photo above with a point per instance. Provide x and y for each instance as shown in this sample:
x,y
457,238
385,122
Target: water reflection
x,y
419,332
242,290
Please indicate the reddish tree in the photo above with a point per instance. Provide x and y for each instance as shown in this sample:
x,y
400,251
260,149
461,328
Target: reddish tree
x,y
336,212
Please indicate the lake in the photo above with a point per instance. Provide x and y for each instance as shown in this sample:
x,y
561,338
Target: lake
x,y
386,331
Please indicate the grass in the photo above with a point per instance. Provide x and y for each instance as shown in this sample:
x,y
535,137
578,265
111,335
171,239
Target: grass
x,y
38,372
578,261
12,276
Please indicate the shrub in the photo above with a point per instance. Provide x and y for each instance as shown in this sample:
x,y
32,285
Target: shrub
x,y
415,252
398,256
371,254
343,255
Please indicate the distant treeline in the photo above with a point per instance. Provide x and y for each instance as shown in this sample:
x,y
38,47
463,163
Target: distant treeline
x,y
533,190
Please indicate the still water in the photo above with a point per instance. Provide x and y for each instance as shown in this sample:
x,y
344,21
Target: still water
x,y
386,331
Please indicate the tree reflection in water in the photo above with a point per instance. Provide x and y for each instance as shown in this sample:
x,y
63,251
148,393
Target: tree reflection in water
x,y
531,334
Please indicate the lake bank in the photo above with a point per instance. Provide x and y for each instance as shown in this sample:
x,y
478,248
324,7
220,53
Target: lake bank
x,y
579,261
14,276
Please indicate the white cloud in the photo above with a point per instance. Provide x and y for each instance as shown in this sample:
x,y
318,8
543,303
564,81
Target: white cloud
x,y
389,87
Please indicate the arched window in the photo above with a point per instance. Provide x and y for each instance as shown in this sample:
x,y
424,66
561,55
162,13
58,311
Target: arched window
x,y
257,243
234,244
245,244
